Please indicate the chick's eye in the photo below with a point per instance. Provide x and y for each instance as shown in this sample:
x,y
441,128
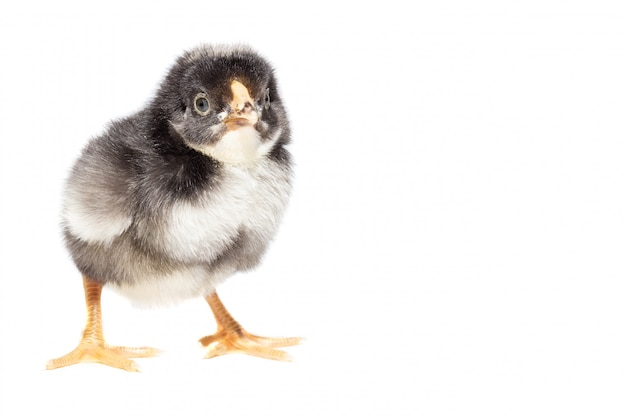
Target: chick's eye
x,y
266,98
201,104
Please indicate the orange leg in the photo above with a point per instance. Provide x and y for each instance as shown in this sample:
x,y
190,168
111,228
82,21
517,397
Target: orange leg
x,y
92,347
231,337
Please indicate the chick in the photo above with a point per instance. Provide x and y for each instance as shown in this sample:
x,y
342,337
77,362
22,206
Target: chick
x,y
171,201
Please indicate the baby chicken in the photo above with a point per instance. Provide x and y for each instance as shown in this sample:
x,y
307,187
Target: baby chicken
x,y
171,201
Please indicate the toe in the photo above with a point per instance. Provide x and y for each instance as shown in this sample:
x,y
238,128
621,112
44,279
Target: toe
x,y
135,352
276,341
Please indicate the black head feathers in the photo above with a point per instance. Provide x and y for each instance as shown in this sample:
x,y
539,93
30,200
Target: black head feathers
x,y
222,101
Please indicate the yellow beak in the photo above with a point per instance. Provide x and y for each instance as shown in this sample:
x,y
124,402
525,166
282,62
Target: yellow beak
x,y
243,111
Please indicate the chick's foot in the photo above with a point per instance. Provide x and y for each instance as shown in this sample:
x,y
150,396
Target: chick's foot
x,y
238,340
232,338
93,351
92,347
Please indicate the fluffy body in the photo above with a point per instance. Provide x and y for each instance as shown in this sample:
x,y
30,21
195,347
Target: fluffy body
x,y
165,204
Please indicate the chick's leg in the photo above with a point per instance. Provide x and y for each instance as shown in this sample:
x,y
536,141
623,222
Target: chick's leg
x,y
231,337
92,347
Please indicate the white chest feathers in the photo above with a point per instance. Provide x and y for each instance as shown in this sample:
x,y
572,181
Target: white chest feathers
x,y
252,197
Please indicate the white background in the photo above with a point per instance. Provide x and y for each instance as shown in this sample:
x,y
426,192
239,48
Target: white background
x,y
455,243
